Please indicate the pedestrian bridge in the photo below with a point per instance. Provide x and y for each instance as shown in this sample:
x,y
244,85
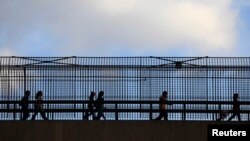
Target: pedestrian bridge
x,y
199,87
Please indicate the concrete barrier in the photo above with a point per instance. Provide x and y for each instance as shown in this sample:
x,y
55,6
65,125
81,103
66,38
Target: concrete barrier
x,y
103,130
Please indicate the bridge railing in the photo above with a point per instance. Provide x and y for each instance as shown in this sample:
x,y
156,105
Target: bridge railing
x,y
11,110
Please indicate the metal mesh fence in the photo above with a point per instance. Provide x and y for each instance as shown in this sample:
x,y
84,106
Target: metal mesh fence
x,y
127,79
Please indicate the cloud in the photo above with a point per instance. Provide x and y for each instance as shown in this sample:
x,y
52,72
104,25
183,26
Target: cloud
x,y
6,51
118,27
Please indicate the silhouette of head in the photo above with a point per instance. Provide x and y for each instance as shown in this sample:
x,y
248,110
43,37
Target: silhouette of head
x,y
27,93
165,94
101,94
236,96
39,94
92,94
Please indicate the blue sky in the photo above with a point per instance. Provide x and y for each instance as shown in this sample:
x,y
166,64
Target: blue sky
x,y
124,27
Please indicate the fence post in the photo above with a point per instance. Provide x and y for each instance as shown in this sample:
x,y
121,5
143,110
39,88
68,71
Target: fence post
x,y
151,113
219,110
116,111
184,112
14,113
24,79
83,111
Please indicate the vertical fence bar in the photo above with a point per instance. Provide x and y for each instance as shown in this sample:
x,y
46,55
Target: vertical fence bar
x,y
151,112
116,111
184,112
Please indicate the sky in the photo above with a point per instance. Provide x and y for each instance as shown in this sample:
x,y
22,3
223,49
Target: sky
x,y
124,28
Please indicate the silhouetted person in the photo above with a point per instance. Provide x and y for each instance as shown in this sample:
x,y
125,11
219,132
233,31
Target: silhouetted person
x,y
236,107
162,106
223,115
39,106
24,103
100,106
91,104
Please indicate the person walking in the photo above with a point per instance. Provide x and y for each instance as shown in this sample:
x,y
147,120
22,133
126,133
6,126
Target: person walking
x,y
100,106
90,110
39,106
236,107
162,106
24,103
